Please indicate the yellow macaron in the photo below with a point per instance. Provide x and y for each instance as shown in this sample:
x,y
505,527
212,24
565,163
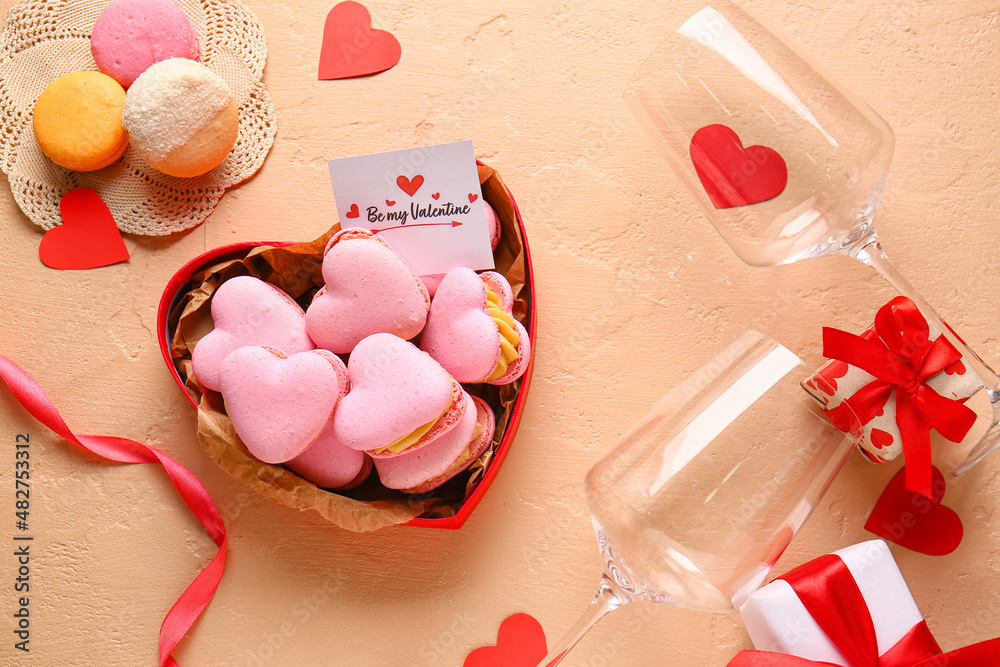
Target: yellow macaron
x,y
78,121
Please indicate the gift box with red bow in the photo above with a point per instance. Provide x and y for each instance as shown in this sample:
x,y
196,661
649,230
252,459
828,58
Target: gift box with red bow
x,y
850,608
901,378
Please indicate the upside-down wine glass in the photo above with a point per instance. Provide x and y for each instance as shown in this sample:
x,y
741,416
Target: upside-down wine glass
x,y
723,68
702,495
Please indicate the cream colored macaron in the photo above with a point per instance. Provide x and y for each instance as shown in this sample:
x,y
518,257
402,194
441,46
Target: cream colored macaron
x,y
181,117
78,121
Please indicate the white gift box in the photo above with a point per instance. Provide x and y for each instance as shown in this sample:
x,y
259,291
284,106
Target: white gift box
x,y
777,620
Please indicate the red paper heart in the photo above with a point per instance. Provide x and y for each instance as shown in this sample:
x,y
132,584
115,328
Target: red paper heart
x,y
473,197
520,643
353,212
436,195
733,175
351,47
915,521
390,202
409,186
88,237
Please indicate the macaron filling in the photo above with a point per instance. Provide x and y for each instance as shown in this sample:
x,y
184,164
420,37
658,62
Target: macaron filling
x,y
403,443
463,458
509,339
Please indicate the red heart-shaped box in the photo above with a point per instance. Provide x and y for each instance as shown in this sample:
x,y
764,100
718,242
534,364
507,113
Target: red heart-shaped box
x,y
181,284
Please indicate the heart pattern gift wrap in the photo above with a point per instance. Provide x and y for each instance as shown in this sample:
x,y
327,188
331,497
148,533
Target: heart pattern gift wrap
x,y
916,363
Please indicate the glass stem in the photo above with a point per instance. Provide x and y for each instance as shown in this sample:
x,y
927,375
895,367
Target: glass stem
x,y
872,254
609,597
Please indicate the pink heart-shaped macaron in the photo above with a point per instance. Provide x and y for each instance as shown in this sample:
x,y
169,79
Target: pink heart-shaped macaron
x,y
369,289
395,390
247,311
331,464
280,404
433,465
466,331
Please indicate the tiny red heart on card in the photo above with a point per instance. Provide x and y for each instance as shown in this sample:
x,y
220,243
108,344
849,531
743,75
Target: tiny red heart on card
x,y
410,186
733,175
520,643
353,212
881,439
390,202
473,197
88,238
436,195
351,47
915,521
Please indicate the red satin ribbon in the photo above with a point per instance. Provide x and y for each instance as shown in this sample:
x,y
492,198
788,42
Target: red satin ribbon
x,y
196,597
832,597
903,358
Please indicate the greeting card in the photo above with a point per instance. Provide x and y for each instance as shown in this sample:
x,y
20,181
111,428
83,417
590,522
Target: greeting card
x,y
425,202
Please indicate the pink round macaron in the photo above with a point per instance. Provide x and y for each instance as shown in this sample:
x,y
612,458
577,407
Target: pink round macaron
x,y
470,329
397,392
131,35
330,464
432,280
369,289
432,466
493,222
280,404
248,311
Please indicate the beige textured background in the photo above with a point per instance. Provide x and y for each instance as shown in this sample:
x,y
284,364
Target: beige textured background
x,y
634,290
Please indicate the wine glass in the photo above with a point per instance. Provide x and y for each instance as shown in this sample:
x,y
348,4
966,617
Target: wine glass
x,y
702,495
735,109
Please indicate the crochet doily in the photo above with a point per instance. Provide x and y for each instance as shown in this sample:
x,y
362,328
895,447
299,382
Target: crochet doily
x,y
44,39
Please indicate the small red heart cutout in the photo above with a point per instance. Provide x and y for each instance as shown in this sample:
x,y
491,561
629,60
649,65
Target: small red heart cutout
x,y
410,186
914,521
353,212
957,368
390,202
473,197
351,47
88,238
436,195
733,175
520,643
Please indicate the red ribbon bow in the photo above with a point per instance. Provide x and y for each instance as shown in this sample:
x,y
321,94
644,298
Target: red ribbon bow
x,y
832,597
902,357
